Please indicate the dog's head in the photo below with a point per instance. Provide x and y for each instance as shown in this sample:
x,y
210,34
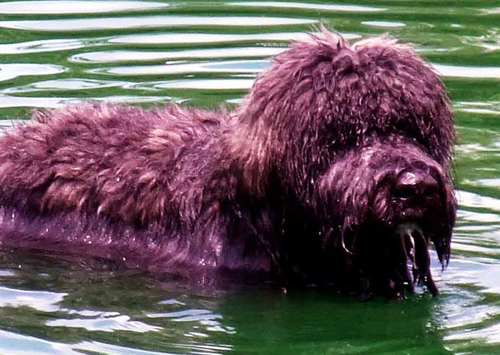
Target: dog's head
x,y
361,137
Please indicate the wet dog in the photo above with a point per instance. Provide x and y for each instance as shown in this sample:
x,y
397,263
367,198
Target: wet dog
x,y
335,170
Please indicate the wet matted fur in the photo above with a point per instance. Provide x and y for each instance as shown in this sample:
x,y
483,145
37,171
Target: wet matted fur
x,y
335,170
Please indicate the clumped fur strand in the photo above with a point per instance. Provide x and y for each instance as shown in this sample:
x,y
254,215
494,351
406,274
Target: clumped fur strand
x,y
334,170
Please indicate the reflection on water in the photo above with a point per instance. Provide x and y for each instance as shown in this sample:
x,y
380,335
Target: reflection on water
x,y
76,7
12,71
324,8
240,66
132,56
207,38
383,24
149,22
206,54
40,46
468,72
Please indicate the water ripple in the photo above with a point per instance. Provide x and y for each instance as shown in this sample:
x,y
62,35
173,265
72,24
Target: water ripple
x,y
17,344
96,24
66,84
49,302
131,56
455,71
104,324
206,38
11,71
236,66
470,199
305,6
49,45
109,349
40,300
75,7
485,107
204,84
388,24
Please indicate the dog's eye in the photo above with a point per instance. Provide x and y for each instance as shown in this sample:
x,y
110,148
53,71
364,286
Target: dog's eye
x,y
430,191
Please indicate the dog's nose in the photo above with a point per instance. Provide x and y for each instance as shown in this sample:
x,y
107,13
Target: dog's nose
x,y
414,183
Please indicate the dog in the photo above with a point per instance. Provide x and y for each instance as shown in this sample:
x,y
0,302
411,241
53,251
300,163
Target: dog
x,y
334,172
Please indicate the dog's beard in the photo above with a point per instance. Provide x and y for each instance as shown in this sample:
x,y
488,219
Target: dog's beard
x,y
414,247
393,246
392,261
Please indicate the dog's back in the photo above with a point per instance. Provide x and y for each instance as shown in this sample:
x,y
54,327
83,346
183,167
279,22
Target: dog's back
x,y
114,160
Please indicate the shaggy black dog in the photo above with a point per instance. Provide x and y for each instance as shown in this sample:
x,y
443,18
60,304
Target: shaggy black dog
x,y
334,170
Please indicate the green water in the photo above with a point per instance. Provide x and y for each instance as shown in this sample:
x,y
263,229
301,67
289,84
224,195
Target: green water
x,y
207,54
